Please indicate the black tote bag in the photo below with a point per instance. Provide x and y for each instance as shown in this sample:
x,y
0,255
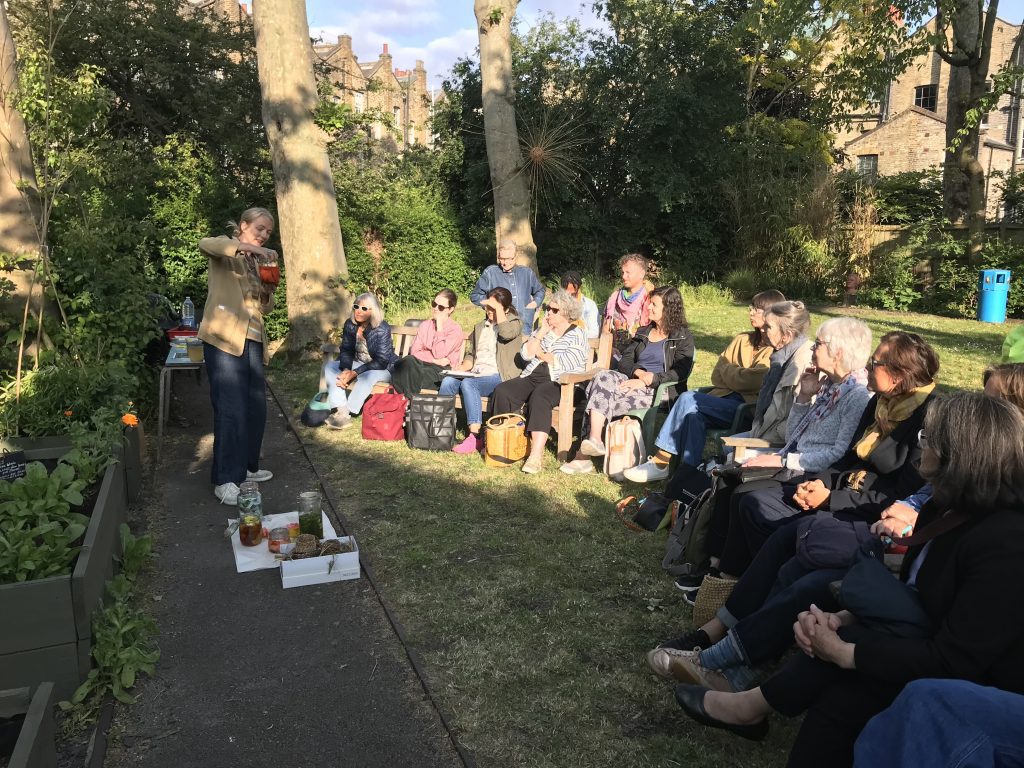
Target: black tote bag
x,y
430,423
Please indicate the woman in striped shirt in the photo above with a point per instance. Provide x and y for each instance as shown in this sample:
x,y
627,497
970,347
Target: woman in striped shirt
x,y
557,348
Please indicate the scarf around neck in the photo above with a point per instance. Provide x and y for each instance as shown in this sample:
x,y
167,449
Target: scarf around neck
x,y
825,403
889,412
779,359
630,308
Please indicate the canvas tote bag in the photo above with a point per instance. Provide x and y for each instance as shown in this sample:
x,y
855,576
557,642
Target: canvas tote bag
x,y
624,446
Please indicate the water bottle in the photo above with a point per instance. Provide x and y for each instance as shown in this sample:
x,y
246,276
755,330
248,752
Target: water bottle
x,y
188,313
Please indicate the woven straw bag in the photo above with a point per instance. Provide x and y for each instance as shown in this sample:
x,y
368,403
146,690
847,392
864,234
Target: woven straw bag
x,y
713,593
505,440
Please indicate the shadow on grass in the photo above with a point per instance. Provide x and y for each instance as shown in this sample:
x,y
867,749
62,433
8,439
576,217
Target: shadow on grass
x,y
531,604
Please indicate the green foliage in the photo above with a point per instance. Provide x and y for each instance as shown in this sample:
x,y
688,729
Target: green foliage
x,y
54,397
892,285
902,198
955,292
38,530
94,445
122,639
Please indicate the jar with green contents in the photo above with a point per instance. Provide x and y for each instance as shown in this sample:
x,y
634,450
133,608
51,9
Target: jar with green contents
x,y
310,520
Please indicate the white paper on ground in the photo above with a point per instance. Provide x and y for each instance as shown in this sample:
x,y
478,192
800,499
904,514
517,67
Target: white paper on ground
x,y
260,557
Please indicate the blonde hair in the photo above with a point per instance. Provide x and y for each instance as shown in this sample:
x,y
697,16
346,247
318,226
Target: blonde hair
x,y
249,215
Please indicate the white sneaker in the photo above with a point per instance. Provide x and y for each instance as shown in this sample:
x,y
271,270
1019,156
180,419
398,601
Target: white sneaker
x,y
592,448
259,476
663,662
227,493
577,467
648,472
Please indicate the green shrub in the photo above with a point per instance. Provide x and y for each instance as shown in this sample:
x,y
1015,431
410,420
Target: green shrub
x,y
55,397
892,285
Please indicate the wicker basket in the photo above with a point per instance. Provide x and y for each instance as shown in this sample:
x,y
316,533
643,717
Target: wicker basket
x,y
713,593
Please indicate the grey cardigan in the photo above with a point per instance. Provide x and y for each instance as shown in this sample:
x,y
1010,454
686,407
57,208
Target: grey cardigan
x,y
825,441
772,425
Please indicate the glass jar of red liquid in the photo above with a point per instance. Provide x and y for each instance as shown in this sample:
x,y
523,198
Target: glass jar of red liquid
x,y
270,271
250,515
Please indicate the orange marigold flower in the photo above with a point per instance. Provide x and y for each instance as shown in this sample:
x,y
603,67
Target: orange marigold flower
x,y
69,413
130,420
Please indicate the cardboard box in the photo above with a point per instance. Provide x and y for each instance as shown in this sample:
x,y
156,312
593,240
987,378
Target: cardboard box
x,y
322,570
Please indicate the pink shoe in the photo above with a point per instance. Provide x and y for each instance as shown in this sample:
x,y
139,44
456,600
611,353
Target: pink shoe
x,y
468,445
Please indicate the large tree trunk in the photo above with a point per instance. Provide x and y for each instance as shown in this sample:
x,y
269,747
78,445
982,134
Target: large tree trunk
x,y
511,195
18,232
963,178
307,207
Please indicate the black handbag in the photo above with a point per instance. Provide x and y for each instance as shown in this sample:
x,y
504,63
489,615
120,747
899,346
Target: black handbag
x,y
430,422
822,541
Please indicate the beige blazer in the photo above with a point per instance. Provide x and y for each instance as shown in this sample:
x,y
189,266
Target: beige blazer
x,y
227,313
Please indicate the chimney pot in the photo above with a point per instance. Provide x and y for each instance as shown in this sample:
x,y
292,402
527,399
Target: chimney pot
x,y
386,49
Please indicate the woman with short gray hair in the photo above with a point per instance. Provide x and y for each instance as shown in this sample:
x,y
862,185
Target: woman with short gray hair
x,y
367,357
558,348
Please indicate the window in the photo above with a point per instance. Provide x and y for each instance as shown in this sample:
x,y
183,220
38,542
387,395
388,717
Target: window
x,y
360,101
927,97
867,166
398,115
412,135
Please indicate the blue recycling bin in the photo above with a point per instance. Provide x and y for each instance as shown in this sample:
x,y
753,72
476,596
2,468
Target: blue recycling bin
x,y
993,291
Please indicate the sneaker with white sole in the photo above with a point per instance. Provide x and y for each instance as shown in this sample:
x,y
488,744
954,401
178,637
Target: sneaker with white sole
x,y
591,447
648,472
227,493
661,661
339,420
259,476
577,467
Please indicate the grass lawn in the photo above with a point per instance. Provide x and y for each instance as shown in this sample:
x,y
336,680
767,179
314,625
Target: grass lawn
x,y
530,603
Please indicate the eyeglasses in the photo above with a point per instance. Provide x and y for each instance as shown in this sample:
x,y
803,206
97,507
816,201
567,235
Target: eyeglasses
x,y
435,305
874,362
922,439
364,309
818,343
551,308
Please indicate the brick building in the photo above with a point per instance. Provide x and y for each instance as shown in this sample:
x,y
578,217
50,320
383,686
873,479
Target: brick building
x,y
399,93
906,129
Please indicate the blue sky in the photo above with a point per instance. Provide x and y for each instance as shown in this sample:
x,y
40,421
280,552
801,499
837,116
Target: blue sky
x,y
437,31
441,31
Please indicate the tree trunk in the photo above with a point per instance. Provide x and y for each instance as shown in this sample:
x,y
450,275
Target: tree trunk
x,y
18,232
511,195
963,178
307,208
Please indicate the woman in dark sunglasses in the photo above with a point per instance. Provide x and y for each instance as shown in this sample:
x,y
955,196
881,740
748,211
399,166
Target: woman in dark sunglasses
x,y
437,346
367,356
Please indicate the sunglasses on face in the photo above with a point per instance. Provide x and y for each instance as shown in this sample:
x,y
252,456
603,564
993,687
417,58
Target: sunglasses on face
x,y
553,310
435,305
364,309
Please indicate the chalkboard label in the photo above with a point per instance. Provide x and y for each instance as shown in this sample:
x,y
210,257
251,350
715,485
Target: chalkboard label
x,y
12,465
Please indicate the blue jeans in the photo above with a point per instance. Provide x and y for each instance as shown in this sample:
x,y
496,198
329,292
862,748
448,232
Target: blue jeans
x,y
472,389
239,396
685,429
361,390
945,724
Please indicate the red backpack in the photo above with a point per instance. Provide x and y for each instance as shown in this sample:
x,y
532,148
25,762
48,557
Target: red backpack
x,y
383,417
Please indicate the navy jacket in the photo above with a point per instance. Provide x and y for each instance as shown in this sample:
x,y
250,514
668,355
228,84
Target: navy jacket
x,y
678,358
378,343
521,282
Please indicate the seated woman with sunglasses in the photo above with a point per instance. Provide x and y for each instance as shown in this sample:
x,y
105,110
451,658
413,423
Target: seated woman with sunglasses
x,y
558,348
438,345
968,544
494,346
660,353
366,357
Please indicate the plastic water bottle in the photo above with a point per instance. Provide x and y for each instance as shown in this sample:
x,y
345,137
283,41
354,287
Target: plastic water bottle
x,y
188,313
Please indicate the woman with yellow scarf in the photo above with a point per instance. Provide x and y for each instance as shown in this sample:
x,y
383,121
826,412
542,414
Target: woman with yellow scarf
x,y
879,468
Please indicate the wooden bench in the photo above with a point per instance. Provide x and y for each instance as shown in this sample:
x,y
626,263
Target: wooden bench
x,y
561,417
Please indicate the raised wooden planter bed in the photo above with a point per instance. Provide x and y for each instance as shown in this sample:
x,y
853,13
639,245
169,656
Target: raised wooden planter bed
x,y
36,745
48,629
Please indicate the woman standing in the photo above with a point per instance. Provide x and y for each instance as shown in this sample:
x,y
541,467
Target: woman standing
x,y
660,353
366,357
235,349
558,348
491,359
438,345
